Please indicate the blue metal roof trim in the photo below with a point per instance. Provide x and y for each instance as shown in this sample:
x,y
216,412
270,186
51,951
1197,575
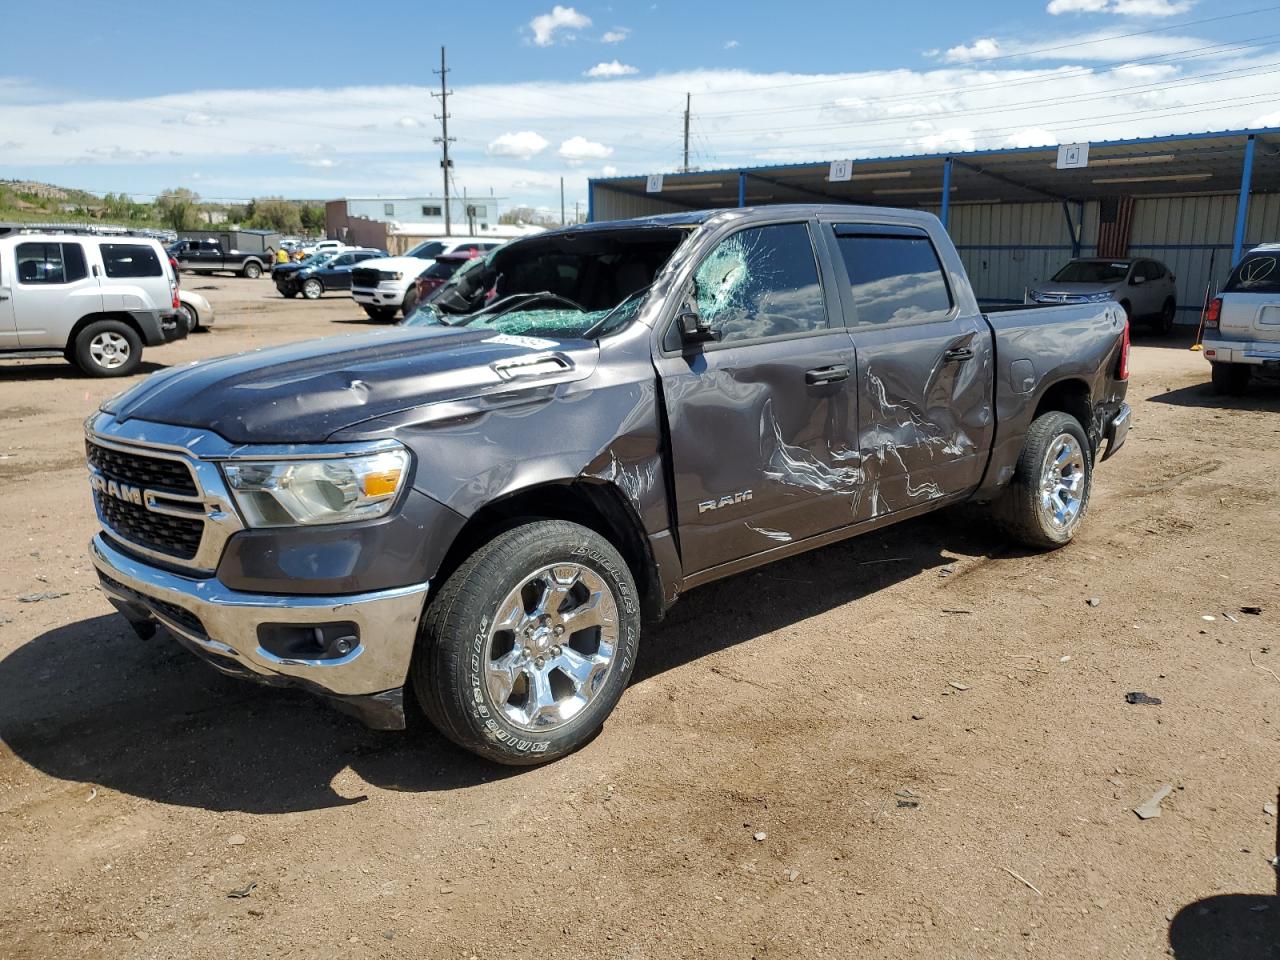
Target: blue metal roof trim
x,y
903,158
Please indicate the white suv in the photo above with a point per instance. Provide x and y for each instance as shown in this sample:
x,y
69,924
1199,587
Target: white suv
x,y
92,300
385,286
1242,324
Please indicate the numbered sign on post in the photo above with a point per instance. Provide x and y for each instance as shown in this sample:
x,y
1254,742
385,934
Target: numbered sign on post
x,y
655,183
1073,156
840,170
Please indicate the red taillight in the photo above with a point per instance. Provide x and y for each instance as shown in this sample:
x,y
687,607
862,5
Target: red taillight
x,y
1213,314
1123,372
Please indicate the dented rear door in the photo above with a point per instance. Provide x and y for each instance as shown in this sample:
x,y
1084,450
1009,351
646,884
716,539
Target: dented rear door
x,y
924,363
763,421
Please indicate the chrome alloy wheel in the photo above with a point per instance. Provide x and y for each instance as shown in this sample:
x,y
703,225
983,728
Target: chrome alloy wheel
x,y
551,646
109,350
1062,482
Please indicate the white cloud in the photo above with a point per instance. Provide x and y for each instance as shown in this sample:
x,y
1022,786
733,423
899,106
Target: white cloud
x,y
956,140
611,69
608,170
578,150
522,145
1122,8
731,44
321,163
62,128
983,49
408,123
1032,137
616,35
546,26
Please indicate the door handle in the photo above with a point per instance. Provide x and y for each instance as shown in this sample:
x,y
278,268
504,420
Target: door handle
x,y
831,374
958,354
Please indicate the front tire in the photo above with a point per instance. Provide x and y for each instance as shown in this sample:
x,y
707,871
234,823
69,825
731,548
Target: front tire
x,y
530,643
1049,495
410,302
1230,379
252,270
312,289
108,348
381,314
1168,313
189,317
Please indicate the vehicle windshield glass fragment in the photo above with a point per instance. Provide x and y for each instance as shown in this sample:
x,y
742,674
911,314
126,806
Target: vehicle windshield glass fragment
x,y
579,284
1092,271
1259,273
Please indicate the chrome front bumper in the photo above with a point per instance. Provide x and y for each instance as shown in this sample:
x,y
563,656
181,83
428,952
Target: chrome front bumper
x,y
221,625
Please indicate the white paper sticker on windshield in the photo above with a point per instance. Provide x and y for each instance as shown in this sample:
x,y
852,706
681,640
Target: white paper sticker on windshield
x,y
532,343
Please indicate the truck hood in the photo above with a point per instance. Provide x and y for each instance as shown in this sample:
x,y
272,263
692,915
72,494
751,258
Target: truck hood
x,y
305,392
409,266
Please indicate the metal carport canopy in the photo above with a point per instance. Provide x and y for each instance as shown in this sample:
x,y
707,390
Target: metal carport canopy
x,y
1181,165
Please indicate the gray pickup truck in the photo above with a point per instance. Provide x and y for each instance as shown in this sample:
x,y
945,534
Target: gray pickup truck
x,y
482,507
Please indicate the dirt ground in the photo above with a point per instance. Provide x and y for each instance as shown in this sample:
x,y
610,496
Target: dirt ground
x,y
927,729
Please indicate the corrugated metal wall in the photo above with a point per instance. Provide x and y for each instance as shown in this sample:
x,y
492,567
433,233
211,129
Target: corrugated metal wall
x,y
1007,247
613,205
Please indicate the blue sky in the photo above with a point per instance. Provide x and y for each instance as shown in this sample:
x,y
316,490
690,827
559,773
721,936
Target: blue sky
x,y
326,99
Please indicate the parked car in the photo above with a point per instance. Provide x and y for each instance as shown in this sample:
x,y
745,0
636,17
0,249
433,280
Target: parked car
x,y
213,256
1242,323
482,511
1144,288
389,288
444,267
93,300
330,272
196,311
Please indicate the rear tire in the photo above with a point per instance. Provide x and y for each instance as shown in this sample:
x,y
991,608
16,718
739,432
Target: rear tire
x,y
530,643
108,348
1230,379
381,314
312,289
1049,495
252,270
1168,313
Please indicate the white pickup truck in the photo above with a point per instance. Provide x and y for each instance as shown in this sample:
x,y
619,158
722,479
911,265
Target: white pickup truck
x,y
95,301
385,288
1242,324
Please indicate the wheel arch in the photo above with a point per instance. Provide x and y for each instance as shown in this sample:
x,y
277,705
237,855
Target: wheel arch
x,y
89,318
1070,395
598,505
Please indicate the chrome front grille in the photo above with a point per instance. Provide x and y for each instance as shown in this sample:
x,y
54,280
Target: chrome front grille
x,y
157,499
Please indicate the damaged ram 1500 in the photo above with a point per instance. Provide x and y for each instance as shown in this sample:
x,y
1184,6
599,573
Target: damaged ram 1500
x,y
482,507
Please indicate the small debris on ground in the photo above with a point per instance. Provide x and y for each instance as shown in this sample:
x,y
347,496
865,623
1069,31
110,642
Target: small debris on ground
x,y
957,685
241,892
1230,617
1209,618
1151,809
1022,879
236,840
947,571
1094,601
955,610
92,793
1269,809
793,875
37,597
1255,611
759,837
1142,699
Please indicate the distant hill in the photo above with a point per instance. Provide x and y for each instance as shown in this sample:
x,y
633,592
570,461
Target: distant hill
x,y
29,200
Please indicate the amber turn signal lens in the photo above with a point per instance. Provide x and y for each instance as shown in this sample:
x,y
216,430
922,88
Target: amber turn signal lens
x,y
381,484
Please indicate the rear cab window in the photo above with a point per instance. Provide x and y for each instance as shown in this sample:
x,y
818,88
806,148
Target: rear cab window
x,y
895,276
130,260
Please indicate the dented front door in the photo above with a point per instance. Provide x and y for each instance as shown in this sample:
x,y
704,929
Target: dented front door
x,y
763,421
924,365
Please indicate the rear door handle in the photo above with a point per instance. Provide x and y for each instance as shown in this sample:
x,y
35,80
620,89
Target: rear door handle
x,y
831,374
958,354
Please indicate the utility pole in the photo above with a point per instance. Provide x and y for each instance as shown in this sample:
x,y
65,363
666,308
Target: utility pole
x,y
562,201
577,217
444,139
688,97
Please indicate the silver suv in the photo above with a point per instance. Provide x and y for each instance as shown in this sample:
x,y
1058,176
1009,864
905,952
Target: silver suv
x,y
1242,324
96,301
1145,288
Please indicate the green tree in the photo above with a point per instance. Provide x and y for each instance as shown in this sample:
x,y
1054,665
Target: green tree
x,y
312,218
176,208
276,213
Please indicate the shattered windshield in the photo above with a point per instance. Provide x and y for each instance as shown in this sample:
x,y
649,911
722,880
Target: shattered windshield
x,y
576,284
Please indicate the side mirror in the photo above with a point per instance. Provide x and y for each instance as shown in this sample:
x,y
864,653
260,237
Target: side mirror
x,y
1138,280
694,329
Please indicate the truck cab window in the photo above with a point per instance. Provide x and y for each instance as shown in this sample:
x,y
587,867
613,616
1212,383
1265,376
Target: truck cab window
x,y
762,282
894,279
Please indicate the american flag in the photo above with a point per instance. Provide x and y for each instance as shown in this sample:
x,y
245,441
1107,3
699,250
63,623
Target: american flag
x,y
1115,220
